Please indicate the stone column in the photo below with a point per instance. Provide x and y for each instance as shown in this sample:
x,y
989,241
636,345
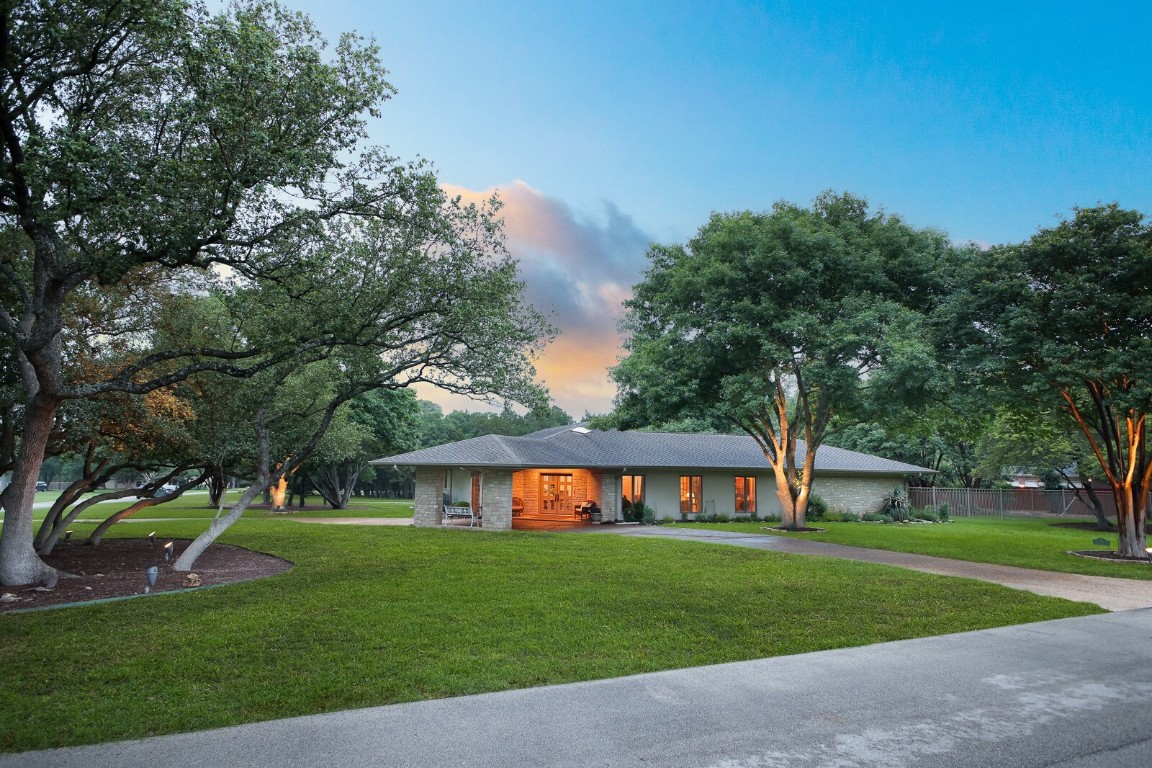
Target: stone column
x,y
428,506
497,499
610,504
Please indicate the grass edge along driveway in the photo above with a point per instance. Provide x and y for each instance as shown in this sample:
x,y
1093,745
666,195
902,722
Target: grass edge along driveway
x,y
1040,543
379,615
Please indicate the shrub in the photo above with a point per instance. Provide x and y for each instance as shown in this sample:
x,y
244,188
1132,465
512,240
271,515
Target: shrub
x,y
817,508
721,518
928,514
770,519
839,516
895,506
634,513
876,517
648,516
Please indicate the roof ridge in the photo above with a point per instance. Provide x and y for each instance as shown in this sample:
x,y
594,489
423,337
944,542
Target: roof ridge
x,y
508,451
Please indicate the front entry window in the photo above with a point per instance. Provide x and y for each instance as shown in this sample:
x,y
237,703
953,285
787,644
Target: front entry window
x,y
632,490
691,489
746,495
556,495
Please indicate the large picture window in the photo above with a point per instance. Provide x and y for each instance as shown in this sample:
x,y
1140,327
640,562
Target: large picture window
x,y
691,489
746,495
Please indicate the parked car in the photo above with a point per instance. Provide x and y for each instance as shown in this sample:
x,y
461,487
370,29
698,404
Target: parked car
x,y
167,489
41,485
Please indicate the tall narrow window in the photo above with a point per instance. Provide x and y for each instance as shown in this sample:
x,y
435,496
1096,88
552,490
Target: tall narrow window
x,y
746,495
632,490
691,489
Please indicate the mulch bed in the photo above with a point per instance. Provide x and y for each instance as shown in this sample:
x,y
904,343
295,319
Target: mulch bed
x,y
1108,556
117,568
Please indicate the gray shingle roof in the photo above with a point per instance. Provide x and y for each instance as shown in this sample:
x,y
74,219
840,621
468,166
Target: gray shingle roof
x,y
570,448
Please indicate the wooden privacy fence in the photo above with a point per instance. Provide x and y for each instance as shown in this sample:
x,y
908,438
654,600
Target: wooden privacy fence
x,y
987,502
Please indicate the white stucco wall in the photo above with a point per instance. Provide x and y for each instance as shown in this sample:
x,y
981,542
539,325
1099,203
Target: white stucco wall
x,y
845,493
662,492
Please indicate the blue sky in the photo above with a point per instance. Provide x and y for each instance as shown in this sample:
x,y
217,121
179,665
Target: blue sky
x,y
610,125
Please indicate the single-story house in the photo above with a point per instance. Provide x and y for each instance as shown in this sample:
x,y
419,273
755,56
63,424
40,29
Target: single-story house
x,y
553,473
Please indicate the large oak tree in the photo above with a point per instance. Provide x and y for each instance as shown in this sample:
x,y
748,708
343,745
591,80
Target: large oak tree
x,y
1065,321
778,322
153,135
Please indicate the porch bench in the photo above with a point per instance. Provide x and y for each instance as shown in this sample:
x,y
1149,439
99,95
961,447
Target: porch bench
x,y
451,512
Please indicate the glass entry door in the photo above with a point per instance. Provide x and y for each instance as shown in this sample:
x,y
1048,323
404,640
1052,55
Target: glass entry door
x,y
556,495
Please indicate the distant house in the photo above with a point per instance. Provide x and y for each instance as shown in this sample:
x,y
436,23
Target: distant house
x,y
551,474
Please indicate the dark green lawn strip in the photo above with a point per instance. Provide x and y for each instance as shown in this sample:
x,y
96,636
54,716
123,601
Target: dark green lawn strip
x,y
1041,543
376,615
196,505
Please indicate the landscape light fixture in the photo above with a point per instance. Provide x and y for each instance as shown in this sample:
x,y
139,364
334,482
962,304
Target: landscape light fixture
x,y
151,575
67,535
152,538
168,551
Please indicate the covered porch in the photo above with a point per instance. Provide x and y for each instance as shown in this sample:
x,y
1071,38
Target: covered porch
x,y
506,499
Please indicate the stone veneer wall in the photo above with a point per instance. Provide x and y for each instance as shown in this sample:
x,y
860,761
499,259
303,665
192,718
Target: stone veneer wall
x,y
497,499
856,494
428,506
609,500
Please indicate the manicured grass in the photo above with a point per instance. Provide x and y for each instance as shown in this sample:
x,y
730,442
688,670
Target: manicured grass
x,y
376,615
1041,543
362,507
195,505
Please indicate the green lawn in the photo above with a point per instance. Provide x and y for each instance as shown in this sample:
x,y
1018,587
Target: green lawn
x,y
375,615
195,505
1041,543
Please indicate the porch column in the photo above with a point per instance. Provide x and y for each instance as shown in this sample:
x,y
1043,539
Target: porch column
x,y
497,499
428,504
610,503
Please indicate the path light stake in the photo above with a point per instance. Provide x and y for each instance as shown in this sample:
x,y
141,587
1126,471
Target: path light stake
x,y
152,538
67,535
168,551
151,574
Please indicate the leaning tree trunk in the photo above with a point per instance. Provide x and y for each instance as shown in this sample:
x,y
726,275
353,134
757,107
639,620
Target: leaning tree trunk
x,y
98,535
19,563
218,525
1098,509
49,542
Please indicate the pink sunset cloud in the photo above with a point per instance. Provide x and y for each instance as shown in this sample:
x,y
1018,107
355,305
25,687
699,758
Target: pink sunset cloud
x,y
578,271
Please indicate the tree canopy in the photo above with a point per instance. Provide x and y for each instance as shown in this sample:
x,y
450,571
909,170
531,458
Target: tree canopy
x,y
778,322
154,153
1064,320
